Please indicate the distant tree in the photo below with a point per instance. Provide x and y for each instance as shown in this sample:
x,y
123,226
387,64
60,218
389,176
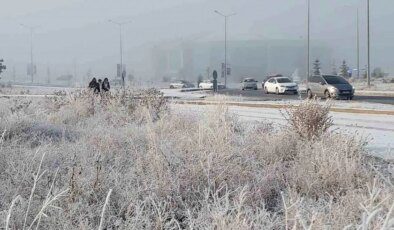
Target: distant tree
x,y
378,73
2,66
316,67
344,70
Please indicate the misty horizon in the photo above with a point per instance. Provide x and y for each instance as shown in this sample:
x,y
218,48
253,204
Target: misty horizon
x,y
75,36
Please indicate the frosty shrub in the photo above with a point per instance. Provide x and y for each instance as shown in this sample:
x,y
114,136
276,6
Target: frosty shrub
x,y
310,119
71,108
131,164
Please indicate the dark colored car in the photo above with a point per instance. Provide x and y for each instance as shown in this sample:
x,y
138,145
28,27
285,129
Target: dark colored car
x,y
330,86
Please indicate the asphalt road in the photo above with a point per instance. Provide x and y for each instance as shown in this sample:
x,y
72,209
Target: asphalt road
x,y
259,95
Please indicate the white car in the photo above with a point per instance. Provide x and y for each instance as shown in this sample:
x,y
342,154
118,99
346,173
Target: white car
x,y
181,84
280,85
208,84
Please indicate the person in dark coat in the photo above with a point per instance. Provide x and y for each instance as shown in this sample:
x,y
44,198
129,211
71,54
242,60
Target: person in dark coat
x,y
93,83
99,85
105,86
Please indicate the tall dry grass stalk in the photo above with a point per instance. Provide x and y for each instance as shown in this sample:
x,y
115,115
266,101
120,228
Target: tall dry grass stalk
x,y
103,211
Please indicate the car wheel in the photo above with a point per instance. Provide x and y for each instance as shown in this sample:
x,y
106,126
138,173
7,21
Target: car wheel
x,y
277,91
351,98
171,87
327,94
295,93
310,94
256,88
266,90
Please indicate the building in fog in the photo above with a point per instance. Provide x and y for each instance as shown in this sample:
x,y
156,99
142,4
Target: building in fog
x,y
251,58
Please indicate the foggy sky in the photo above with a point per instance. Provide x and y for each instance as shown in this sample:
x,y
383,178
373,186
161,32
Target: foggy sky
x,y
77,31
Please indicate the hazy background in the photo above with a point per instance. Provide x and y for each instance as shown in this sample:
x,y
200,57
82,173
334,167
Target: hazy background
x,y
75,36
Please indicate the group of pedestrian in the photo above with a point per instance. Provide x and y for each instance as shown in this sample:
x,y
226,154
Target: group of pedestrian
x,y
99,86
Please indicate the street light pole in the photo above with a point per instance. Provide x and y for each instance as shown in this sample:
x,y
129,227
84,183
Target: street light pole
x,y
358,44
225,43
120,24
369,47
308,42
32,69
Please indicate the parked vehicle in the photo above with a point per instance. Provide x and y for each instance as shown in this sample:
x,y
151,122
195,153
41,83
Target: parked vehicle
x,y
249,83
181,84
330,86
280,85
208,84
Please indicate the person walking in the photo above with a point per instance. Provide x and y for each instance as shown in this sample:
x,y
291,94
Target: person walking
x,y
92,83
106,86
99,85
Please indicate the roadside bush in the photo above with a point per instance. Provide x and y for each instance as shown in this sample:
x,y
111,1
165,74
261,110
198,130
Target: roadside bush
x,y
310,119
329,167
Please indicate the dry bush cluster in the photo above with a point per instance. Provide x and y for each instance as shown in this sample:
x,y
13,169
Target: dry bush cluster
x,y
124,161
310,120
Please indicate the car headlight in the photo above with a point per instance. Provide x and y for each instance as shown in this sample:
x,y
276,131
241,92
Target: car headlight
x,y
333,90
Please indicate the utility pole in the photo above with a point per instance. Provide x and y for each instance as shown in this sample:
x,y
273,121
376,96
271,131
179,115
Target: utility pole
x,y
32,67
121,24
308,42
226,16
369,47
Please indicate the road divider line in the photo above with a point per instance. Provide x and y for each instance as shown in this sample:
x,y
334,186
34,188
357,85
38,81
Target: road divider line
x,y
278,106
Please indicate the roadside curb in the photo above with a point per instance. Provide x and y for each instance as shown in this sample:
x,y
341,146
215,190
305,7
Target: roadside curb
x,y
375,93
276,106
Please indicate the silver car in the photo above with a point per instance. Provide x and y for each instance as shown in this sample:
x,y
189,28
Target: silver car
x,y
330,86
249,83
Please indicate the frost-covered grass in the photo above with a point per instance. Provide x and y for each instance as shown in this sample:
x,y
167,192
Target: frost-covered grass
x,y
375,86
128,162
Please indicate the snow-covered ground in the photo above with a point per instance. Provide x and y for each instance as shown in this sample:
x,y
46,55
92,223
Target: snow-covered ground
x,y
377,129
176,93
345,104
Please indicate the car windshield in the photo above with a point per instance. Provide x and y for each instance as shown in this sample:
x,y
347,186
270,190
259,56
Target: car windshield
x,y
283,80
249,80
335,80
